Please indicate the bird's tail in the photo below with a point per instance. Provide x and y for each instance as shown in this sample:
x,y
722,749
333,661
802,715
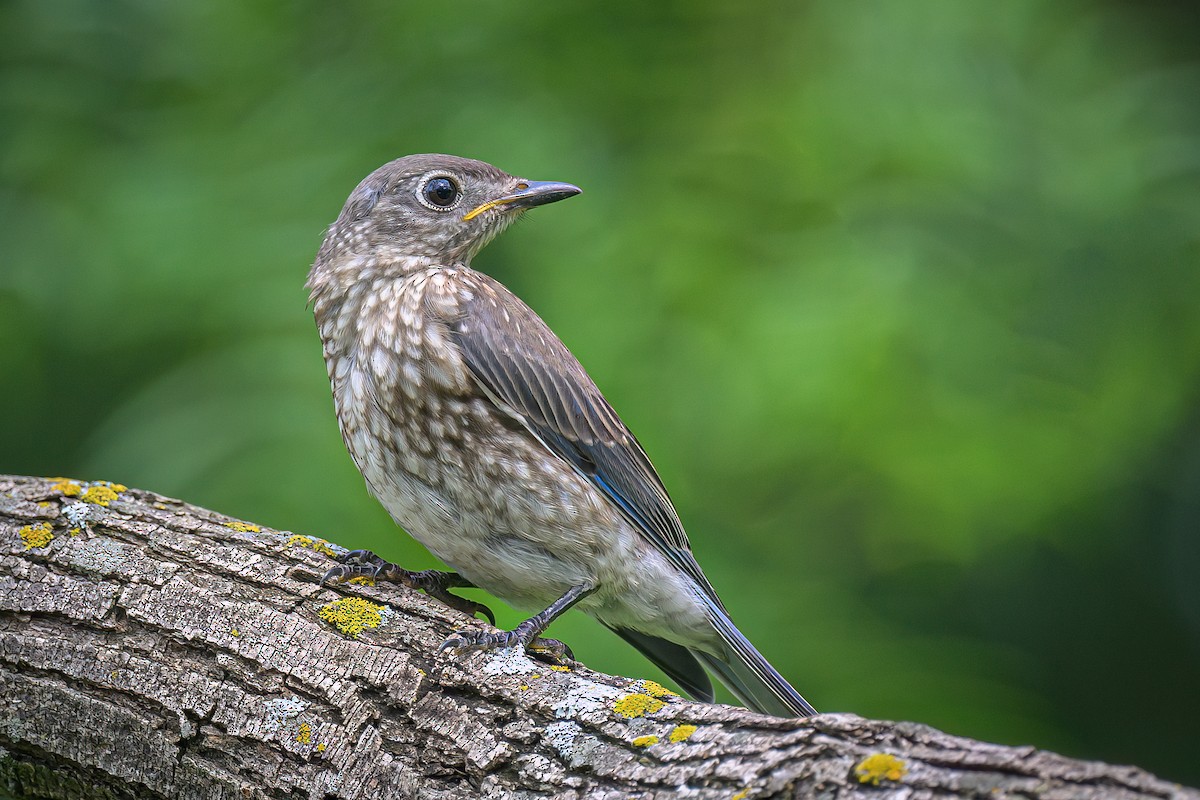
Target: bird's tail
x,y
747,674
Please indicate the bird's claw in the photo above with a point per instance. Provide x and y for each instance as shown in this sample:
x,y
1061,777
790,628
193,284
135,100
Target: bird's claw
x,y
464,641
468,607
365,564
552,649
358,564
469,639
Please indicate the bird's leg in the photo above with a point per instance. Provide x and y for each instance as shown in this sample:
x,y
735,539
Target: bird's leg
x,y
526,635
435,583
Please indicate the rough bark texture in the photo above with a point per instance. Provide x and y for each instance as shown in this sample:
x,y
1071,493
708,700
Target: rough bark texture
x,y
150,648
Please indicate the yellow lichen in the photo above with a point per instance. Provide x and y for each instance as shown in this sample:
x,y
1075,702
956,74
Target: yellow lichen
x,y
880,766
235,632
74,531
321,747
243,527
43,504
524,687
742,795
99,495
67,486
312,543
304,735
36,535
637,705
362,580
352,615
657,689
681,733
645,741
119,487
560,668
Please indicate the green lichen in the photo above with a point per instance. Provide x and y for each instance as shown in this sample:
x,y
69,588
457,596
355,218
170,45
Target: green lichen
x,y
637,705
878,767
312,543
99,494
66,486
681,733
38,534
352,615
657,689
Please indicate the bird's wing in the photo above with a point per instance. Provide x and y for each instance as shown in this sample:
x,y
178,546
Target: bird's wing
x,y
677,661
524,368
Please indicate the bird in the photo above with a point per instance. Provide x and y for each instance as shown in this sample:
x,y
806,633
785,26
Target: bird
x,y
487,441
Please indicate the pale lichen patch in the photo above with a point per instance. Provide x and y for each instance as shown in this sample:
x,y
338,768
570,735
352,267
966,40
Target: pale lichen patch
x,y
282,711
509,661
77,514
585,697
572,744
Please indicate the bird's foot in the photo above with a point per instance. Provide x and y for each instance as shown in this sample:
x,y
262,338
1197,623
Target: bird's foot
x,y
435,583
524,636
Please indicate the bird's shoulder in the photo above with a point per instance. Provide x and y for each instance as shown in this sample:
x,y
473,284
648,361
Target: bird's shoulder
x,y
460,294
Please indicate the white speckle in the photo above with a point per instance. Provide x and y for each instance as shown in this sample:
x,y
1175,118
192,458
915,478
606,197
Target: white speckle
x,y
575,746
509,661
282,710
77,514
585,697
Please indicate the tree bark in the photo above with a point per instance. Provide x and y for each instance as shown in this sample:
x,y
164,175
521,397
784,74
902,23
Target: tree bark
x,y
150,648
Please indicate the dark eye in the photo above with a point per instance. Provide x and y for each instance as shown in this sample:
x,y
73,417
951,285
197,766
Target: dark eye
x,y
439,193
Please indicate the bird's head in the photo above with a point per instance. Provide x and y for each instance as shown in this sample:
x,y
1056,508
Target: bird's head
x,y
426,210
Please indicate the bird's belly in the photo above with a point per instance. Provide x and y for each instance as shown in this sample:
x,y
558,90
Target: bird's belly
x,y
527,530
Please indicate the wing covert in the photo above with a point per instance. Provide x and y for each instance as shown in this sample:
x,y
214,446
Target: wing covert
x,y
522,365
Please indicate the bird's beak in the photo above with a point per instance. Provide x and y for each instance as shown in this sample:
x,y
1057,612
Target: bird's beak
x,y
527,195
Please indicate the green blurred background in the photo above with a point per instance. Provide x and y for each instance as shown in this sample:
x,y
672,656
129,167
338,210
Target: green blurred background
x,y
901,298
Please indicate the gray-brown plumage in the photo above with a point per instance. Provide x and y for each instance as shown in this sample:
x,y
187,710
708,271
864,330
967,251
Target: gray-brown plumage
x,y
487,441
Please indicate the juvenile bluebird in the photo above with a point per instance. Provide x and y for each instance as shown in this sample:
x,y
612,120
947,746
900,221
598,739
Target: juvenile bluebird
x,y
486,440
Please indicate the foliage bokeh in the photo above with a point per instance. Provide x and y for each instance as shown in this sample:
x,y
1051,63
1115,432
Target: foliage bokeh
x,y
901,299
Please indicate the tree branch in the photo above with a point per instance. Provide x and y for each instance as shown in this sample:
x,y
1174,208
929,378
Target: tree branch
x,y
150,648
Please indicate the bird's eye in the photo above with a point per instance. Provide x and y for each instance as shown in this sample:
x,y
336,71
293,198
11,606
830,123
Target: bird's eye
x,y
439,192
